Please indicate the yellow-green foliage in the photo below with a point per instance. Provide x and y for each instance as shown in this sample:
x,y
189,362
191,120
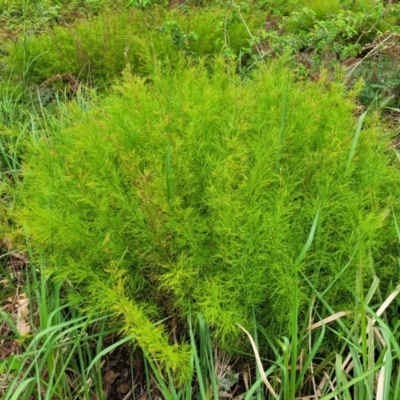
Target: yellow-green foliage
x,y
99,49
192,190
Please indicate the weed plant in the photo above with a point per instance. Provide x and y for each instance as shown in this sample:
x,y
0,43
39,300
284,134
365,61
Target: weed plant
x,y
342,33
193,190
97,50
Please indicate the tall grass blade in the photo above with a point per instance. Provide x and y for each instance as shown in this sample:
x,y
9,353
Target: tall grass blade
x,y
342,270
372,290
310,358
20,388
259,363
310,239
282,126
356,138
386,372
256,387
295,309
329,319
207,355
258,375
200,377
284,112
168,172
346,386
387,302
107,350
159,379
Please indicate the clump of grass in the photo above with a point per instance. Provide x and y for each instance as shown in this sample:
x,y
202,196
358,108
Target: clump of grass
x,y
363,365
193,190
58,351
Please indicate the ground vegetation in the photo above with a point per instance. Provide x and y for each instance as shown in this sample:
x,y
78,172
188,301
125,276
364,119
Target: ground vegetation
x,y
199,199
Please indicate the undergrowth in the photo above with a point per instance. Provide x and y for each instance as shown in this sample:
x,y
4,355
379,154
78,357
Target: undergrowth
x,y
97,50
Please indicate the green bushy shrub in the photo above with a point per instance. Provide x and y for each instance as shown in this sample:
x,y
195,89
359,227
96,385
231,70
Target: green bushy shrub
x,y
99,49
193,190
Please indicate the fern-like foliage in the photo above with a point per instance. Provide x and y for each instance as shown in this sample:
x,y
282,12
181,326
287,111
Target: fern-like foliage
x,y
194,190
97,50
